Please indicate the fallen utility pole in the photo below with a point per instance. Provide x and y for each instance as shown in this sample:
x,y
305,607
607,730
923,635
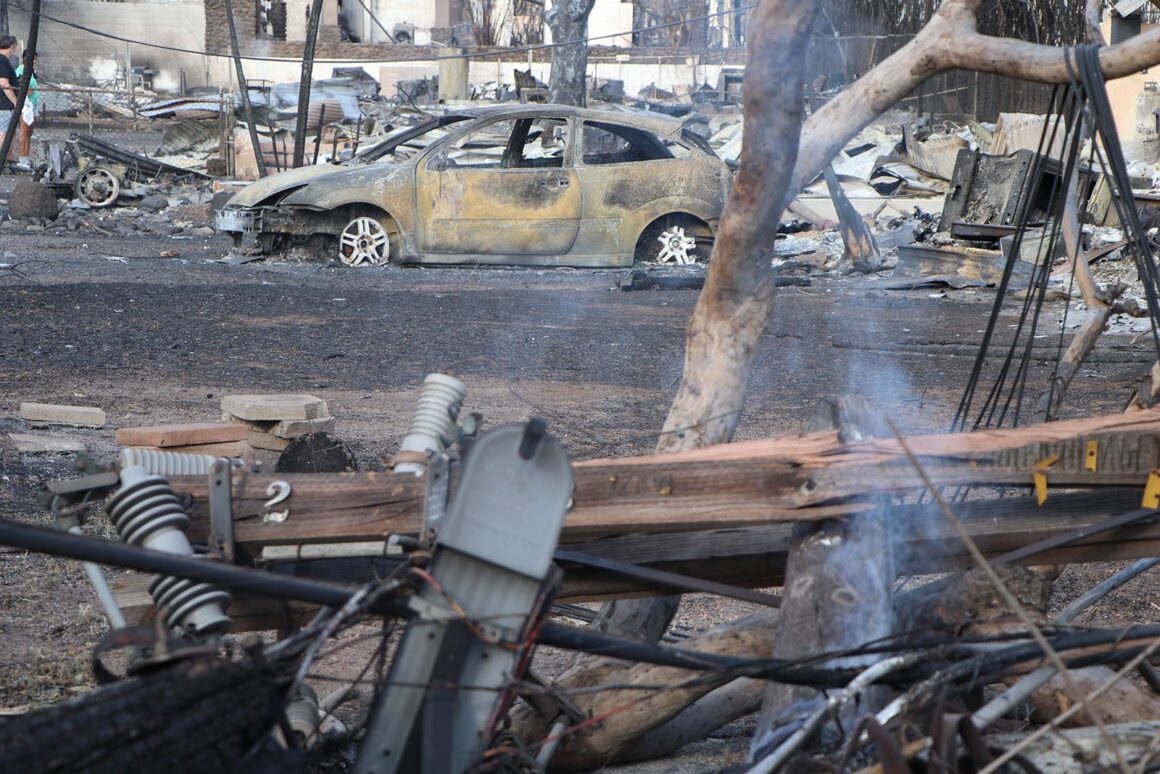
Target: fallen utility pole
x,y
747,484
312,25
243,87
25,81
729,513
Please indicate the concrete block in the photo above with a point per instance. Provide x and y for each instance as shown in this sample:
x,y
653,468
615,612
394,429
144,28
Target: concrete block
x,y
292,428
27,443
181,435
260,440
52,414
274,408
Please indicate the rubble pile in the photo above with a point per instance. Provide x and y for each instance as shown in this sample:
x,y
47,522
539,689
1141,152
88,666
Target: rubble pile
x,y
183,217
272,422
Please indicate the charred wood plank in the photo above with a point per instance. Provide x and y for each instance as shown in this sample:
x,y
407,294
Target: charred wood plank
x,y
730,485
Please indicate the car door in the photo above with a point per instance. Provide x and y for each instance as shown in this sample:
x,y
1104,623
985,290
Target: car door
x,y
506,187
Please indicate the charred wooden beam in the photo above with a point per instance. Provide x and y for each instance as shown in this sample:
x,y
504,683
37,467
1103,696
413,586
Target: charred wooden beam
x,y
726,486
755,557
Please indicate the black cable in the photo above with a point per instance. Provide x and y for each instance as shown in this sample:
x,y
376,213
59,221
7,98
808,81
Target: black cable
x,y
1086,96
1093,79
962,413
228,576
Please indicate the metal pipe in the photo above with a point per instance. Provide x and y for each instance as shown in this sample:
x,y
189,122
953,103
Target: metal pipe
x,y
554,738
117,554
358,550
25,81
1008,699
1099,591
104,593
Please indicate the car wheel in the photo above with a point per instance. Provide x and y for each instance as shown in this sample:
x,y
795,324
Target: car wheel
x,y
675,240
97,187
364,242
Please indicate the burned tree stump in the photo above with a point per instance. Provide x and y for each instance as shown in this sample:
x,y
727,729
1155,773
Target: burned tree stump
x,y
839,577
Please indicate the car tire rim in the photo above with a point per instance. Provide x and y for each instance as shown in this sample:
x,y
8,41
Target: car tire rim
x,y
98,187
364,242
676,247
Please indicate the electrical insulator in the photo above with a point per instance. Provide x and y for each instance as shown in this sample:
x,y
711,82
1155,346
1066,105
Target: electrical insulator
x,y
146,512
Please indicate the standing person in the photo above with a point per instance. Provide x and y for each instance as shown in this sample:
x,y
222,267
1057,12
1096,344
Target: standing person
x,y
28,114
8,86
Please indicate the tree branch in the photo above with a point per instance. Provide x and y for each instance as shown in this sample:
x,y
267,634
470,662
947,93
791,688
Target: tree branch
x,y
950,40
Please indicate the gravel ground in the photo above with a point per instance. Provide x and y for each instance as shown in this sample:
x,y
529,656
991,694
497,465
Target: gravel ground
x,y
144,323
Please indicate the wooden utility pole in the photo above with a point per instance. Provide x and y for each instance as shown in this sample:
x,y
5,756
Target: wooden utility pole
x,y
247,108
304,84
25,80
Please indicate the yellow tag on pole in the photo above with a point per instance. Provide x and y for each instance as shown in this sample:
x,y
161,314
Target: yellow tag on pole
x,y
1152,490
1040,477
1091,456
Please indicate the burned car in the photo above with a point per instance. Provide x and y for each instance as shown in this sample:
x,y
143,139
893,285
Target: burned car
x,y
543,185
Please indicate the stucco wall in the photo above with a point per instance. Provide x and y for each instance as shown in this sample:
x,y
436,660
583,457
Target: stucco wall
x,y
1124,94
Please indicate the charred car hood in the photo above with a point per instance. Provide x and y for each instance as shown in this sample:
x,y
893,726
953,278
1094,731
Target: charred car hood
x,y
374,178
281,182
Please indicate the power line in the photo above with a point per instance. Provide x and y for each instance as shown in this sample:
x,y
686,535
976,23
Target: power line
x,y
437,57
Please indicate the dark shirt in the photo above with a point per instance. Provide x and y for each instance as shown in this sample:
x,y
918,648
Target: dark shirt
x,y
9,72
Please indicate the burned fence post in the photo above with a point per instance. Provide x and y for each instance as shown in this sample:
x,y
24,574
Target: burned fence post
x,y
25,81
244,90
318,134
304,83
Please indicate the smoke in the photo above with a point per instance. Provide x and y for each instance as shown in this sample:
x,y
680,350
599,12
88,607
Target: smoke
x,y
104,70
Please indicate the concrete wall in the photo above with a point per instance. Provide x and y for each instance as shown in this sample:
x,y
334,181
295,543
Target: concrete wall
x,y
423,16
73,56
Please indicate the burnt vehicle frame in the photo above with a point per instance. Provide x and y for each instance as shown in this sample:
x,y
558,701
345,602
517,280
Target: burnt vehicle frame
x,y
536,185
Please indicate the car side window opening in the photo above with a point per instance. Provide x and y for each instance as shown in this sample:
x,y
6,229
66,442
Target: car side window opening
x,y
484,147
513,143
612,144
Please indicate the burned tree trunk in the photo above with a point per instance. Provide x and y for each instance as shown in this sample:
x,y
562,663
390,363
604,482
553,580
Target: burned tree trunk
x,y
861,251
665,719
568,20
733,311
